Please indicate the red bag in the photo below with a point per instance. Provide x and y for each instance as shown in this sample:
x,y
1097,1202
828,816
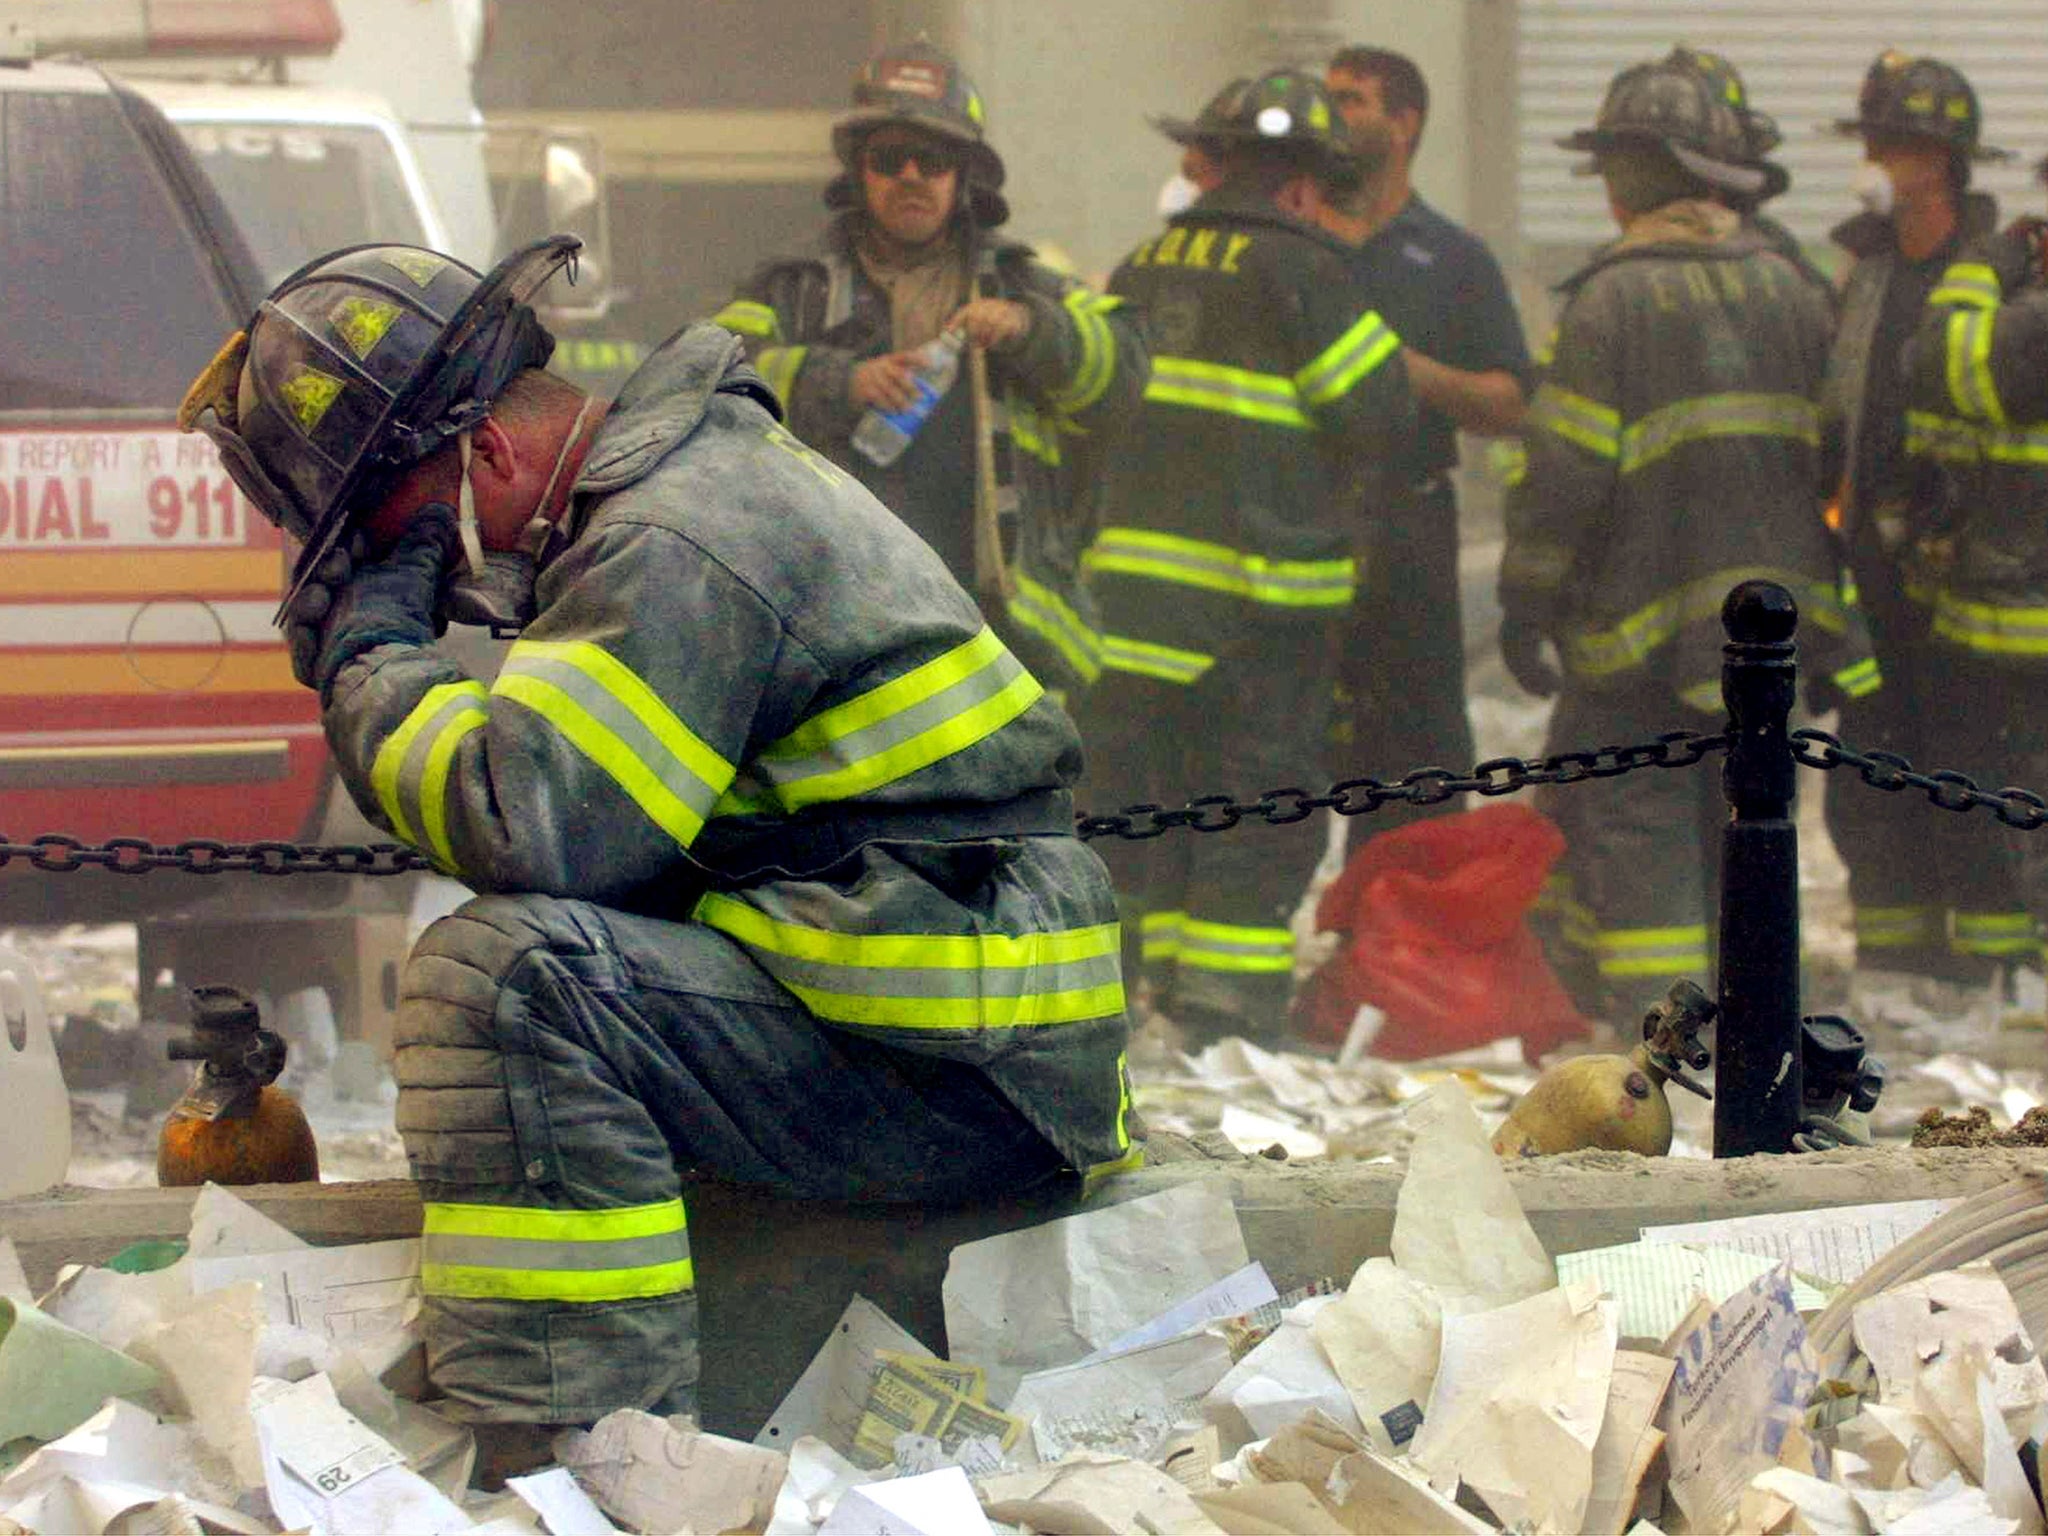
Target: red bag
x,y
1435,935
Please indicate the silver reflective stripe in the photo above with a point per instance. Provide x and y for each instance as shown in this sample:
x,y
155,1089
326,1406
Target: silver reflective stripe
x,y
941,981
1711,416
539,1254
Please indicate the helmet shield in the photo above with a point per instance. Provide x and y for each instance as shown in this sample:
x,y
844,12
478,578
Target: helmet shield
x,y
1287,110
1920,98
1673,104
917,86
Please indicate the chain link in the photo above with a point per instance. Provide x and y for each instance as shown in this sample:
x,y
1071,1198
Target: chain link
x,y
1425,786
56,854
1945,789
1950,791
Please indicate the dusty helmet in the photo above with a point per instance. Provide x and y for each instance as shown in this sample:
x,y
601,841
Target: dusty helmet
x,y
1672,104
1921,99
917,86
1760,128
1206,128
359,364
1283,109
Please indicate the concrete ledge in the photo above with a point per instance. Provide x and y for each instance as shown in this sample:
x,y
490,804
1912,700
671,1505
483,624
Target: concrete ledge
x,y
773,1275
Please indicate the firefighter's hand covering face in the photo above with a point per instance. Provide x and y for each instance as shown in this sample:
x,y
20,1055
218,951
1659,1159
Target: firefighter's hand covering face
x,y
352,605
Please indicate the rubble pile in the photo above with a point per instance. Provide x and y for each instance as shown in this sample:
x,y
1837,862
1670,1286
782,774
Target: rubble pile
x,y
1128,1369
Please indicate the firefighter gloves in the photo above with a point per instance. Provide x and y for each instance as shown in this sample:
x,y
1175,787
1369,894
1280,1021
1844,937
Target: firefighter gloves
x,y
350,606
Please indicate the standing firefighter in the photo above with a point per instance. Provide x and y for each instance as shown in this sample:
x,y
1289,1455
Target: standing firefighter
x,y
1673,450
1980,389
912,253
1226,555
775,834
1942,909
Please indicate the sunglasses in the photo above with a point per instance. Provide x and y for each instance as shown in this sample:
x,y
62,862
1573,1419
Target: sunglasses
x,y
930,159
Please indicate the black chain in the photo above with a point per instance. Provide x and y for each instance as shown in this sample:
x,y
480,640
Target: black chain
x,y
1425,786
58,854
1948,790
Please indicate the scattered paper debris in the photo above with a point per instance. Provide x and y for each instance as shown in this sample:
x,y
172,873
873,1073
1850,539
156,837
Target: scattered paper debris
x,y
830,1397
1127,1404
940,1503
560,1501
1382,1338
1656,1284
53,1378
1457,1225
1835,1245
642,1470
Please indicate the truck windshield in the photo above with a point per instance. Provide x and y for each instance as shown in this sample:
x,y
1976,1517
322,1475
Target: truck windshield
x,y
299,190
108,301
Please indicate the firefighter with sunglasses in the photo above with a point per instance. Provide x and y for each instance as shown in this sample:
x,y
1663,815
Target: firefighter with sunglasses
x,y
995,478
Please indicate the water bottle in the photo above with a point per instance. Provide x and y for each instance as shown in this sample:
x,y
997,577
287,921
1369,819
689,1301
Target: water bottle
x,y
883,435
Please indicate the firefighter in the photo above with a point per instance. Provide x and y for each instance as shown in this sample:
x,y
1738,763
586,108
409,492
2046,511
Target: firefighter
x,y
1401,668
1979,391
1938,916
912,251
774,836
1761,135
1673,451
1226,554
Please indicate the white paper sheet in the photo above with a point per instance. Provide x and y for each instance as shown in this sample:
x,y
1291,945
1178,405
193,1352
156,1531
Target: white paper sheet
x,y
1382,1337
206,1354
1125,1405
817,1480
127,1444
1918,1320
1457,1225
643,1470
1518,1402
937,1504
1053,1294
225,1226
562,1504
1285,1377
828,1398
1656,1284
363,1296
1232,1296
1836,1245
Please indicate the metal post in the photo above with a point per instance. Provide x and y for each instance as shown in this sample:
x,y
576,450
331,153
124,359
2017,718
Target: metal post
x,y
1756,1072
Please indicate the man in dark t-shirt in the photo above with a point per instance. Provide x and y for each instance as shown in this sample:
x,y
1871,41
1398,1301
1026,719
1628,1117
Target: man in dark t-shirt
x,y
1402,665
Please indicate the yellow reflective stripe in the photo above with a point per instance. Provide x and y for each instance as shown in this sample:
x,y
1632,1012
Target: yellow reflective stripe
x,y
413,761
1588,423
1509,461
609,714
1990,627
1601,653
1896,927
1651,951
778,368
2015,445
910,722
1996,934
1033,434
1218,568
1860,679
749,319
1159,934
1121,653
929,981
1933,436
1713,416
1970,285
1098,352
1265,397
1338,368
1970,384
1045,613
1236,948
531,1253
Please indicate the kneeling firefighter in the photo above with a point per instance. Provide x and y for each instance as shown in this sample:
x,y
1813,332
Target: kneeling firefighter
x,y
775,836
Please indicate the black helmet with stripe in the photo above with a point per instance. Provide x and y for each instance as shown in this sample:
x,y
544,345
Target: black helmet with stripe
x,y
359,364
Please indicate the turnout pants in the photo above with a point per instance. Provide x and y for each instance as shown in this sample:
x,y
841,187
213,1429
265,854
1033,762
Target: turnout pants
x,y
1633,903
1401,664
1209,912
562,1068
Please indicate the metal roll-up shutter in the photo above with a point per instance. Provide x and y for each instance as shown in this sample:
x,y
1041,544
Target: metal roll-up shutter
x,y
1803,65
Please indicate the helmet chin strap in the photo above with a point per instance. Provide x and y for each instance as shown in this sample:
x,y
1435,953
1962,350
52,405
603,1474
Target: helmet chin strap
x,y
540,529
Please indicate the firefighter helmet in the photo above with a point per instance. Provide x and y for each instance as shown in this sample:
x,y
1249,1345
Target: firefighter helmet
x,y
1920,99
359,364
1760,129
916,86
1284,109
1671,103
1206,129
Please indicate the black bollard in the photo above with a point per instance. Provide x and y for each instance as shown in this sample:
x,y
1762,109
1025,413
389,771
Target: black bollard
x,y
1756,1069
